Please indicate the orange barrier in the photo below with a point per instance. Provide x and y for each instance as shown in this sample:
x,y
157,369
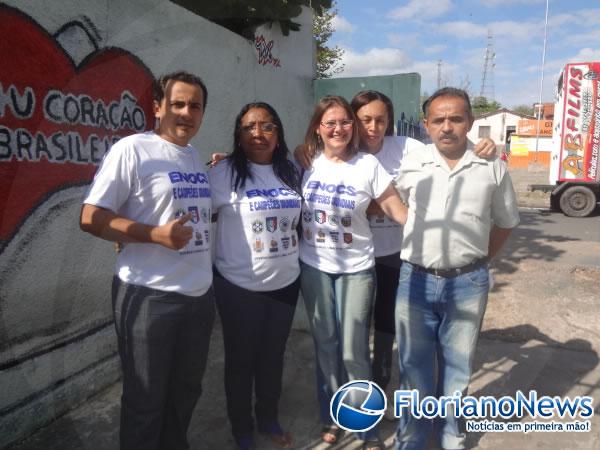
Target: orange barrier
x,y
523,161
543,158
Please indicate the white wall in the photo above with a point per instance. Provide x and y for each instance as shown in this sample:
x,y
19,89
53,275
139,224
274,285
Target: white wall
x,y
498,123
56,337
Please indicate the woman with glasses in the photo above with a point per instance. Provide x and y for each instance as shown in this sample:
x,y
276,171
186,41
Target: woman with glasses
x,y
337,256
255,192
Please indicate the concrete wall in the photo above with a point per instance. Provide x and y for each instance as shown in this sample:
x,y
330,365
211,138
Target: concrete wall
x,y
403,89
75,76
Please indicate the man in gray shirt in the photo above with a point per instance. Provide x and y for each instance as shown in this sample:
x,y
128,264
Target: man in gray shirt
x,y
461,211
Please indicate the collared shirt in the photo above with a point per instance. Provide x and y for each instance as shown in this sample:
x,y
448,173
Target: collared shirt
x,y
451,211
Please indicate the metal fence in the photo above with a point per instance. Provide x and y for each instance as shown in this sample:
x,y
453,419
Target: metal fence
x,y
410,128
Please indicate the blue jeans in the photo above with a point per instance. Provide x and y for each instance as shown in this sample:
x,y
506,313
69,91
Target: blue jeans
x,y
339,312
437,316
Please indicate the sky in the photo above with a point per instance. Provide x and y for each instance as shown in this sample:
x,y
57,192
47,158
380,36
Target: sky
x,y
384,37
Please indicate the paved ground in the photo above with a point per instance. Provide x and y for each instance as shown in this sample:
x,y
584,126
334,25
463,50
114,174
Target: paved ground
x,y
541,331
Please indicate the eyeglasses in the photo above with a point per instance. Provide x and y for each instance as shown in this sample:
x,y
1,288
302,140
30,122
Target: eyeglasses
x,y
346,123
265,127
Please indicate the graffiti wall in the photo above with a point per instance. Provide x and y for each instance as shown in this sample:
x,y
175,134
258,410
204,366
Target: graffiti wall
x,y
59,118
76,77
264,49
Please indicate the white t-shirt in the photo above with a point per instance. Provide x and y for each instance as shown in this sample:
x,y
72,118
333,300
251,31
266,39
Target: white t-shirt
x,y
336,234
256,243
152,181
387,234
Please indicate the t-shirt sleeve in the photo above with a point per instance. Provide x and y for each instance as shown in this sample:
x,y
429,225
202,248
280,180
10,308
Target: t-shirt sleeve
x,y
220,184
412,145
114,179
381,179
401,182
505,212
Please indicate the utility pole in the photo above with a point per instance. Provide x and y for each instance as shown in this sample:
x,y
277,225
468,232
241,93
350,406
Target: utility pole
x,y
439,74
465,85
487,78
539,117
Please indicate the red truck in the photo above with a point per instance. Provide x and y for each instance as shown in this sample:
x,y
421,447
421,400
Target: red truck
x,y
574,172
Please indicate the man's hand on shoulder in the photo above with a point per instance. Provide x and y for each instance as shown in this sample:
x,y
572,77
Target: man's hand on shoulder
x,y
486,148
216,158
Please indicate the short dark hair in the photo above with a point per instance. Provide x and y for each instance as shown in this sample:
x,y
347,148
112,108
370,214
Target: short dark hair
x,y
448,92
365,97
159,86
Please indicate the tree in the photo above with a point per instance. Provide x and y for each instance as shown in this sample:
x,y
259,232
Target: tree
x,y
524,109
481,105
244,16
328,58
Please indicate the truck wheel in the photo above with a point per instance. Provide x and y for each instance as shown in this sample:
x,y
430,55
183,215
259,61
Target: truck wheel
x,y
555,202
578,201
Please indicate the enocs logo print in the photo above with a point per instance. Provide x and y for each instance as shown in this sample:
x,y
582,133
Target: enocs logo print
x,y
358,405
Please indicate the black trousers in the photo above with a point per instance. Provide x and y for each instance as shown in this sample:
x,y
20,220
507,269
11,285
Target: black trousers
x,y
163,340
256,326
387,270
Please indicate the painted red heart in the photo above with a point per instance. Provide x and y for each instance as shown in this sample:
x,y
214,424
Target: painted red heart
x,y
32,58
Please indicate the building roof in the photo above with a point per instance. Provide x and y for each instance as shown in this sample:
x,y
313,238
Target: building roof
x,y
503,110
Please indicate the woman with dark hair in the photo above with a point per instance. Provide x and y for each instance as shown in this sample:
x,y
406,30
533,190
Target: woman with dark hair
x,y
337,257
255,192
375,113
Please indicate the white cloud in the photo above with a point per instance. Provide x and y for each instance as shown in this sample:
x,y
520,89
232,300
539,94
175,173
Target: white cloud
x,y
527,91
422,9
460,45
508,28
517,30
590,17
376,61
584,37
551,66
559,23
462,29
431,49
403,40
494,3
451,75
390,61
341,25
586,54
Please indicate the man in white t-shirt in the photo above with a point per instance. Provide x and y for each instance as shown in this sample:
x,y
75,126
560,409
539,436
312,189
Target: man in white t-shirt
x,y
151,193
461,211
